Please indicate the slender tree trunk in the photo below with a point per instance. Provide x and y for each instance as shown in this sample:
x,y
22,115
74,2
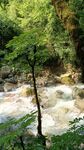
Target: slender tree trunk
x,y
39,128
69,20
22,143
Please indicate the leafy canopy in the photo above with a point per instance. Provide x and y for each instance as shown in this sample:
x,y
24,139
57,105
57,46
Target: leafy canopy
x,y
22,47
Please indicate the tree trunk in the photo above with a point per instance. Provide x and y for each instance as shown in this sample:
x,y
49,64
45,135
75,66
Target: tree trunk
x,y
22,143
69,20
39,128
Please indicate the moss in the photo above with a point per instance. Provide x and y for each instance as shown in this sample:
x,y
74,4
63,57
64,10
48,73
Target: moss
x,y
67,80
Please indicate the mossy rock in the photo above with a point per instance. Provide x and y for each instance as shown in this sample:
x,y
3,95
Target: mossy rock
x,y
26,91
67,80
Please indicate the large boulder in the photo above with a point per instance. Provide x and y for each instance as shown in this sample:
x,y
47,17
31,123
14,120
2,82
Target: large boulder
x,y
26,91
77,92
9,86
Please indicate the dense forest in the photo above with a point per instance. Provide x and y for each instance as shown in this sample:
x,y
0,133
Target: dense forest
x,y
36,37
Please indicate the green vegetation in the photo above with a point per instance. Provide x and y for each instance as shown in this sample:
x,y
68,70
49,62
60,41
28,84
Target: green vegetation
x,y
30,48
23,16
14,136
33,33
12,131
72,139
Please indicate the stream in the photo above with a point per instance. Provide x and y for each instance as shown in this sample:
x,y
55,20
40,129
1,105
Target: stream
x,y
57,107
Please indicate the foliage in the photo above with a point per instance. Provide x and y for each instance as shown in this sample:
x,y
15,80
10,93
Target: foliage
x,y
13,129
7,30
78,8
72,139
64,48
22,48
29,15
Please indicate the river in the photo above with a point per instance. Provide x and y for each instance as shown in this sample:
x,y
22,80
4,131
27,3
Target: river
x,y
57,107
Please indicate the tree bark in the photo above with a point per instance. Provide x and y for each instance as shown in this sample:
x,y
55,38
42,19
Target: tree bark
x,y
39,128
69,20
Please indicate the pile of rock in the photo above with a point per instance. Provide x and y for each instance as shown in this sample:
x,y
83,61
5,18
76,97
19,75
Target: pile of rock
x,y
7,79
11,79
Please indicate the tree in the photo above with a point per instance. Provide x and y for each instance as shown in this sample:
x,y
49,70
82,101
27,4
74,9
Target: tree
x,y
27,14
72,24
30,48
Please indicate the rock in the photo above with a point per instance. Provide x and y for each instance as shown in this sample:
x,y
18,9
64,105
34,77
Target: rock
x,y
11,80
23,77
4,72
1,88
59,94
77,92
53,99
57,79
9,86
79,103
1,80
26,91
66,79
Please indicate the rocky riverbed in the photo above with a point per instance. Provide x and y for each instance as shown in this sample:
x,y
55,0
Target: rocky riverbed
x,y
10,78
59,105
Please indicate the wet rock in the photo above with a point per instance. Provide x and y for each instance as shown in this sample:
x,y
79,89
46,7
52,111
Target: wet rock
x,y
26,91
59,94
9,86
79,103
51,102
53,99
77,92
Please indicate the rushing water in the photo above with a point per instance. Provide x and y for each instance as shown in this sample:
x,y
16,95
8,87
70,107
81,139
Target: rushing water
x,y
57,108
